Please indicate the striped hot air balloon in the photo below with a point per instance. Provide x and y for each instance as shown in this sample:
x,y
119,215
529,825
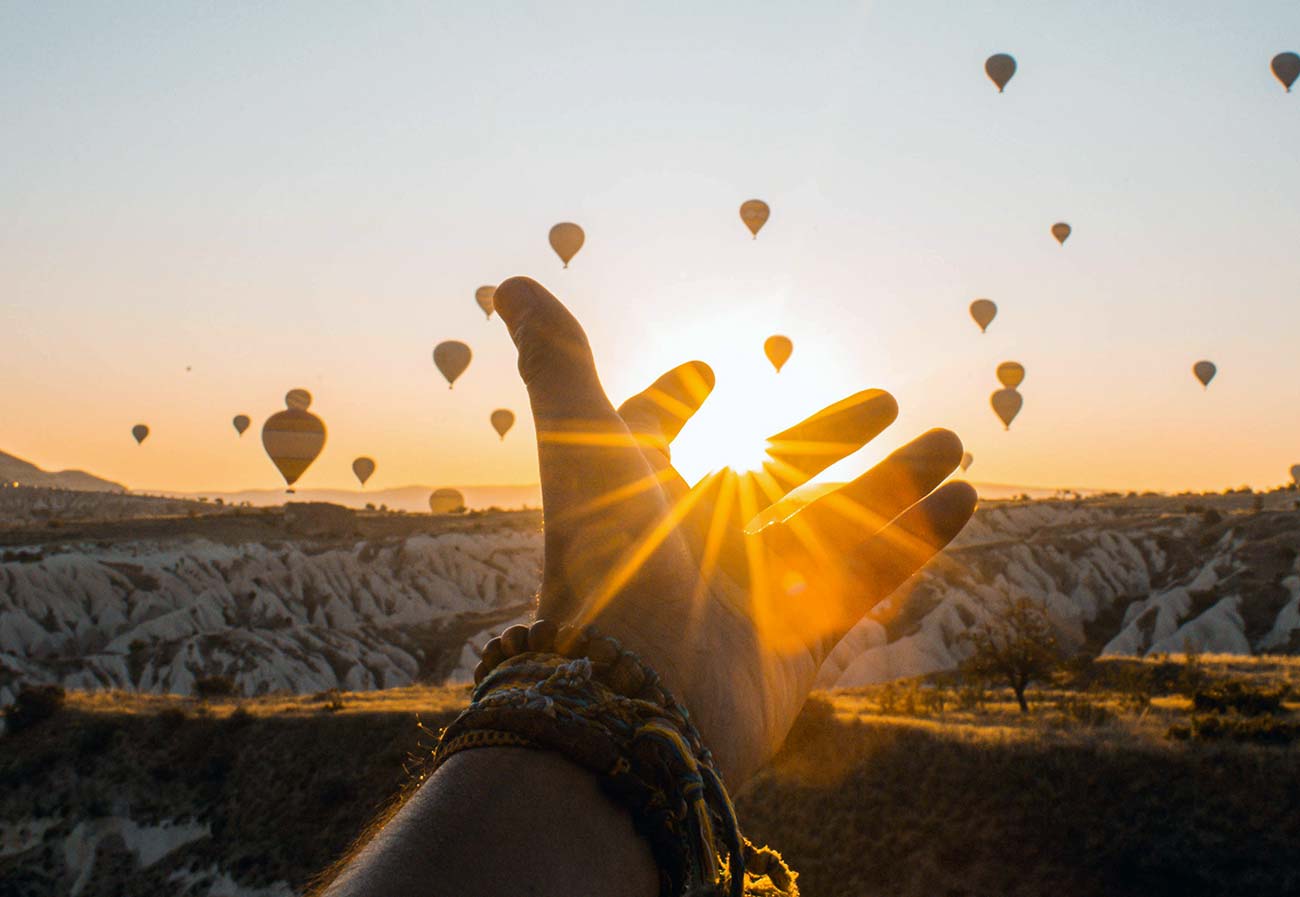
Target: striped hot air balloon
x,y
293,439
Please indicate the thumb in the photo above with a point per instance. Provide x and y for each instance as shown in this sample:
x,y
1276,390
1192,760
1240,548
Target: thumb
x,y
555,359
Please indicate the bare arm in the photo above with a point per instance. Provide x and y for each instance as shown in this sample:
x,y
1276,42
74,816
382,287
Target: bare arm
x,y
735,622
504,821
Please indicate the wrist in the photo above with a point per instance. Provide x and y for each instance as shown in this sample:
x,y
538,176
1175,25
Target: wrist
x,y
728,702
587,696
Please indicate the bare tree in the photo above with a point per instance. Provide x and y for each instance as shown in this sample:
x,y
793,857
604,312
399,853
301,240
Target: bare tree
x,y
1015,643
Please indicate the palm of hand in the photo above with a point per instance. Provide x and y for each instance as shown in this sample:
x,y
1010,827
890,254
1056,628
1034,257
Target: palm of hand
x,y
736,618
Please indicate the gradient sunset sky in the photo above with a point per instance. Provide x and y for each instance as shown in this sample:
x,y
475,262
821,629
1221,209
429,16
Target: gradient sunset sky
x,y
308,194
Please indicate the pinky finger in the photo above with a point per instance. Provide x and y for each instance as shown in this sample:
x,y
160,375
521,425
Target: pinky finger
x,y
891,557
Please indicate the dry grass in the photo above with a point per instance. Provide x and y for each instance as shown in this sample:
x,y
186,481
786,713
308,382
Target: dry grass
x,y
917,801
412,700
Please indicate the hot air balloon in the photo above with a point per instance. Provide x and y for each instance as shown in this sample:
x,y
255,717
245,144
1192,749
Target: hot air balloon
x,y
754,212
297,399
1286,68
983,311
566,239
452,357
1204,371
1000,67
777,349
1295,474
483,296
140,432
1011,374
293,438
1006,405
241,423
446,501
1061,231
967,460
363,468
502,421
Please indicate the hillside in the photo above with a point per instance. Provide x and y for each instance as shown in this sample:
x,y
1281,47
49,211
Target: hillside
x,y
154,605
911,791
395,599
16,470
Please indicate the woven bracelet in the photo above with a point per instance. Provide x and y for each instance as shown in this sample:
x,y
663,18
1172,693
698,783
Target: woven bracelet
x,y
583,695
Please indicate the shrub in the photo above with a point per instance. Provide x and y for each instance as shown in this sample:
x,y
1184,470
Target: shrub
x,y
207,687
971,695
1266,730
1135,684
888,699
935,699
1084,712
1193,675
33,705
911,698
172,718
1235,696
333,700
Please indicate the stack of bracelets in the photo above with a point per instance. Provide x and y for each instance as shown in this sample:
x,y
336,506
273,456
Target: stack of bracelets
x,y
580,694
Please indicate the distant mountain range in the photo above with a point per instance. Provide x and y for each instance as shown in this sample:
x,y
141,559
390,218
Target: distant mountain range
x,y
416,498
25,473
401,498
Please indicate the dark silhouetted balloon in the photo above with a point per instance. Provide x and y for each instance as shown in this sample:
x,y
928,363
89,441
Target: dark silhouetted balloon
x,y
967,460
1286,68
502,421
1011,374
483,296
1295,474
1006,405
452,357
446,501
140,432
1205,371
241,423
1061,231
363,467
297,399
983,311
754,212
1000,67
293,438
778,349
566,239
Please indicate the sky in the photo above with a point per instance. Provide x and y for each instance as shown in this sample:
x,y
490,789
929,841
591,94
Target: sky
x,y
308,194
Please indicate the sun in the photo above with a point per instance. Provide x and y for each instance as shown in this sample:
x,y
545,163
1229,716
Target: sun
x,y
749,404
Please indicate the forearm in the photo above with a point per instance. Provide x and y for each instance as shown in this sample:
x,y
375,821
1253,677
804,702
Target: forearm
x,y
504,821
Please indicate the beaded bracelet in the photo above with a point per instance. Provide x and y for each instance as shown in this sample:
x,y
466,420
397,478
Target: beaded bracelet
x,y
583,695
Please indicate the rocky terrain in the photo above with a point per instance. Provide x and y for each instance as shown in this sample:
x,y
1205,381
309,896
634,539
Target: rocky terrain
x,y
1121,576
282,600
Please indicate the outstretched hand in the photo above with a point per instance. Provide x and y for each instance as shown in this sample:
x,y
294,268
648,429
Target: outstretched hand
x,y
736,620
